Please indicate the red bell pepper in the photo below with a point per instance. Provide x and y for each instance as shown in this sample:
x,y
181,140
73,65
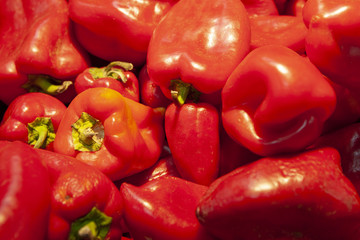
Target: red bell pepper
x,y
192,132
163,209
117,30
32,118
276,101
196,51
347,141
288,31
150,93
115,134
299,196
294,7
260,7
38,49
116,75
85,204
333,40
24,193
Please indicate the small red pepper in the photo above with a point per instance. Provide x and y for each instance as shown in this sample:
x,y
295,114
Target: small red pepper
x,y
116,75
276,101
113,133
333,40
192,132
163,209
196,51
85,204
32,118
38,50
299,196
24,193
117,30
150,93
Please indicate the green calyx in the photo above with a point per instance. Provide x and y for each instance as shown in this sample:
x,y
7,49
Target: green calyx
x,y
40,132
46,84
87,133
94,226
113,70
181,91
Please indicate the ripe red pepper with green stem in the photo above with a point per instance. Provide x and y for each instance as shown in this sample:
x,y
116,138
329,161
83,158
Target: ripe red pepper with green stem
x,y
299,196
38,50
198,59
116,75
117,30
113,133
32,118
276,101
24,192
85,204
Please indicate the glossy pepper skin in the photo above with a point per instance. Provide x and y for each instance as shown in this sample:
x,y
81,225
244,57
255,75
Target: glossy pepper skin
x,y
32,118
38,48
288,31
110,132
85,204
116,75
24,193
276,101
333,41
163,209
299,196
182,62
192,132
117,30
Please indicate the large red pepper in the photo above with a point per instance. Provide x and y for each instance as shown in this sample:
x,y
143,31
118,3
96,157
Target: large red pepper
x,y
117,30
85,204
116,75
38,49
299,196
163,209
333,40
32,118
288,31
276,101
192,132
196,51
24,193
110,132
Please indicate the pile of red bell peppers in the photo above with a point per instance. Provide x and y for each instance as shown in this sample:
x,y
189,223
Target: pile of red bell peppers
x,y
180,120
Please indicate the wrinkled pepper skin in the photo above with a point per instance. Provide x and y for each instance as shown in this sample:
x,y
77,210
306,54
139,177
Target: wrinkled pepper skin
x,y
37,39
347,141
276,101
192,132
299,196
24,193
76,189
288,31
23,111
126,138
186,42
333,41
163,209
116,75
117,30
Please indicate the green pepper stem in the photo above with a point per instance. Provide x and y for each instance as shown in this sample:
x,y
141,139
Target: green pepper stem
x,y
46,84
124,65
181,91
43,133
